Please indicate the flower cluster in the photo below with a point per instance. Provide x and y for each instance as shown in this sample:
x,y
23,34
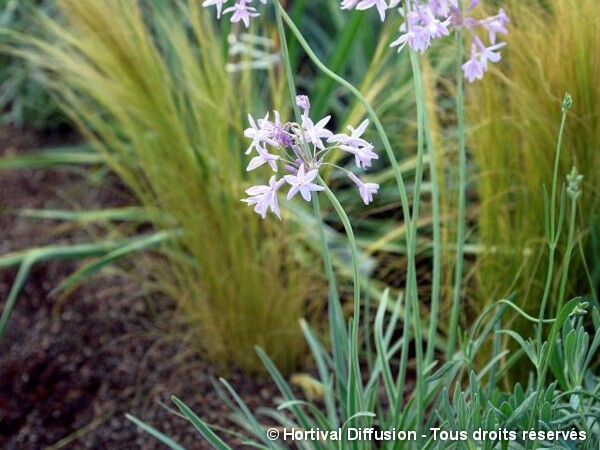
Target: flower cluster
x,y
302,149
240,11
425,21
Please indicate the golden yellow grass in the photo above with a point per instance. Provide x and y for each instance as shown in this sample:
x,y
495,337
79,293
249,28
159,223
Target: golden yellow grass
x,y
155,99
515,115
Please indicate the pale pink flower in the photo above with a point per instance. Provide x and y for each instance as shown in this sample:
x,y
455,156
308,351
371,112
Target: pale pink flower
x,y
496,24
314,133
366,190
354,144
381,6
263,157
303,182
420,27
219,4
242,12
488,53
473,69
261,133
265,197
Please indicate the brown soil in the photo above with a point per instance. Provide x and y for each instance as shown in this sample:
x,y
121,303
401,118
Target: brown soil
x,y
70,368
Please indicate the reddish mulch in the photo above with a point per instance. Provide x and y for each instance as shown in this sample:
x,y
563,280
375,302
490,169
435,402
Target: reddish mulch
x,y
71,368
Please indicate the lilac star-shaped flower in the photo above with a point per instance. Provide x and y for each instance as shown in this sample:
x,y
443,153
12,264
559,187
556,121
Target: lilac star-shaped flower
x,y
218,3
265,197
303,182
353,143
316,132
489,53
473,68
496,24
263,157
354,139
263,132
420,27
363,156
381,6
366,190
242,12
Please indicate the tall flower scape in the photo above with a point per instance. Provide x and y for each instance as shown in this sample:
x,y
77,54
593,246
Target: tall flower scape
x,y
424,21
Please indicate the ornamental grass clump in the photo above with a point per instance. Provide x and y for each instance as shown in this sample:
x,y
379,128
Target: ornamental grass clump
x,y
148,87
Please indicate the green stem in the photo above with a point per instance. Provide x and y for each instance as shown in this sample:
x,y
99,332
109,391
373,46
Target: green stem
x,y
397,173
338,61
541,372
354,401
543,357
555,176
546,294
401,380
553,233
460,227
298,8
285,56
567,261
351,239
337,326
411,283
437,245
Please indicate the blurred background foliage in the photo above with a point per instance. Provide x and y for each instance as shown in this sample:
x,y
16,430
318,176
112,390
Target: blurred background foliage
x,y
24,99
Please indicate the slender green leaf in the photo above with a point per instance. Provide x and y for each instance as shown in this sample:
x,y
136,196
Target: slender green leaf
x,y
143,243
154,432
201,426
101,215
75,155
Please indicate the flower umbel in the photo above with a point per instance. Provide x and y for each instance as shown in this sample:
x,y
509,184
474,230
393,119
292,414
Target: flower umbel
x,y
302,148
426,21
